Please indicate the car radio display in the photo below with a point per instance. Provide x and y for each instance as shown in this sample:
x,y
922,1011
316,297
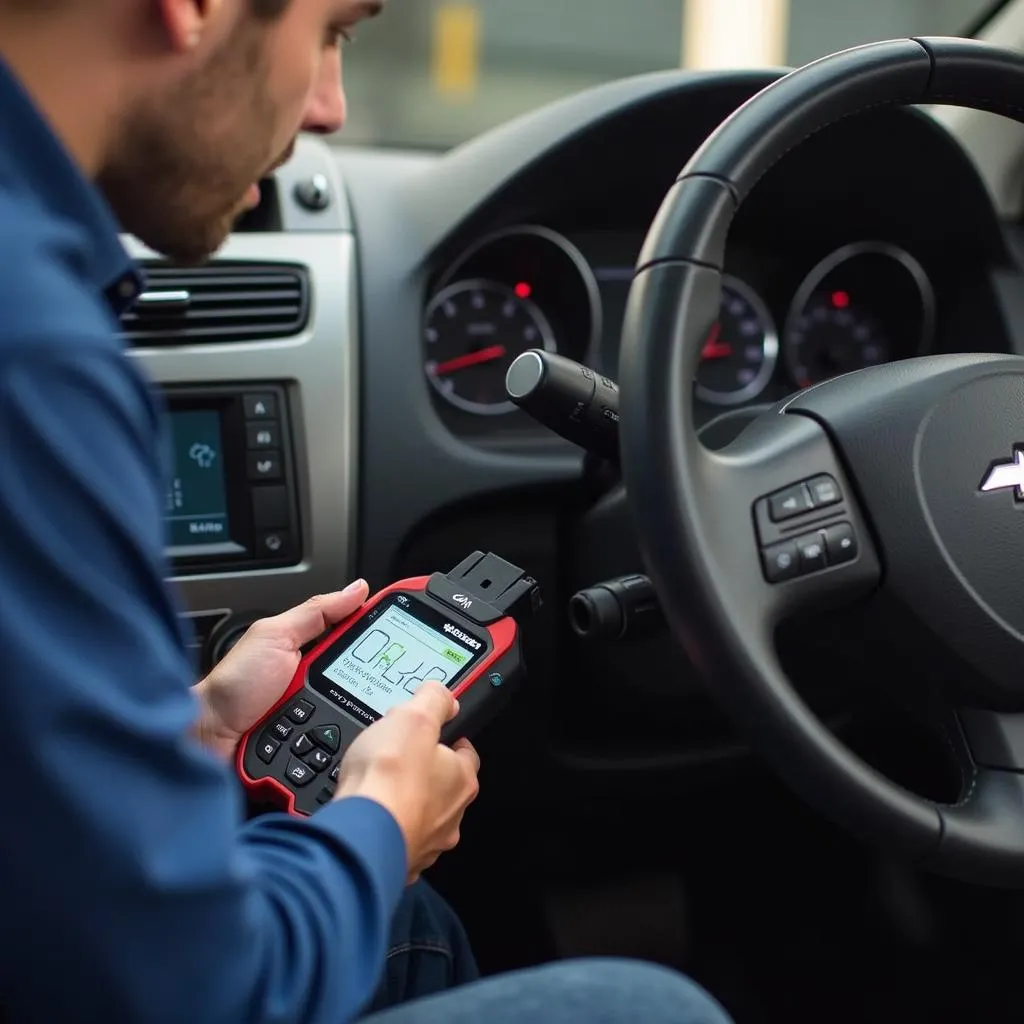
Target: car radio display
x,y
197,513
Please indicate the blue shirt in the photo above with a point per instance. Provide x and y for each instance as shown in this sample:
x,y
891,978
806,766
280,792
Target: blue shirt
x,y
133,888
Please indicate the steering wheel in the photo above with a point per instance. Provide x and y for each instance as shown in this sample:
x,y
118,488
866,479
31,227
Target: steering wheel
x,y
898,489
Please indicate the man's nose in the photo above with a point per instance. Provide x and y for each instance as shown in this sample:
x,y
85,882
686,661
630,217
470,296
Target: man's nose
x,y
326,110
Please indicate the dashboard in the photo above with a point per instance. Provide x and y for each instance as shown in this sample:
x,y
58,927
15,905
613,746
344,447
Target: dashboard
x,y
866,302
335,376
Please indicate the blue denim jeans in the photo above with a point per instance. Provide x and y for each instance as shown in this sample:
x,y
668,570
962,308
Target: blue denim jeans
x,y
430,977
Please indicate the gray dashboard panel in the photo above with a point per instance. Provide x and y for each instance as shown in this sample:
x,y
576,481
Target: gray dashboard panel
x,y
374,458
320,370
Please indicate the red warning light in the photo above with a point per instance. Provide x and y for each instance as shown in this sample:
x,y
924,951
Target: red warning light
x,y
523,290
840,299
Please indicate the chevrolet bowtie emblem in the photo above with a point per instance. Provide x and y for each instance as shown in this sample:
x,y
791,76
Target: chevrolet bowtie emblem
x,y
1004,476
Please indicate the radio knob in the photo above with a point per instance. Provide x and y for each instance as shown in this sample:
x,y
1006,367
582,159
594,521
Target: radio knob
x,y
224,637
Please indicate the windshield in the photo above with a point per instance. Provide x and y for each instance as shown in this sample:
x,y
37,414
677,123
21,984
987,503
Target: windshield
x,y
433,73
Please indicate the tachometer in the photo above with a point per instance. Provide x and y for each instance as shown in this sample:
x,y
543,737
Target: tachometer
x,y
740,355
864,304
831,336
473,331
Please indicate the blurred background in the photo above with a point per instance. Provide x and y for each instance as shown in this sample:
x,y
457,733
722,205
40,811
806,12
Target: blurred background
x,y
433,73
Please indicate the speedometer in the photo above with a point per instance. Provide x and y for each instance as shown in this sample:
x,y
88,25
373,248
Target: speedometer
x,y
740,354
473,331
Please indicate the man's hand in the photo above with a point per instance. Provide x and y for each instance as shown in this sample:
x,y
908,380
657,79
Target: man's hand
x,y
250,680
400,763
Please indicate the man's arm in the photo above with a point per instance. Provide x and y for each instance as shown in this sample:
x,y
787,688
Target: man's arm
x,y
134,890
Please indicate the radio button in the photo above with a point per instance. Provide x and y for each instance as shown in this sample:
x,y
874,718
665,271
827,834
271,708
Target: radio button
x,y
263,435
264,465
269,507
260,407
275,544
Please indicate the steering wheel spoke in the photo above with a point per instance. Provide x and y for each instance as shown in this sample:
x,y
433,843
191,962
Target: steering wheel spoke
x,y
981,837
782,522
994,740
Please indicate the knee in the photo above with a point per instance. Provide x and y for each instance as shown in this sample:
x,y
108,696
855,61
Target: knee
x,y
613,990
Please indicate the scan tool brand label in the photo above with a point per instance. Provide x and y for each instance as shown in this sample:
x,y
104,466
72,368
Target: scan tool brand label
x,y
459,635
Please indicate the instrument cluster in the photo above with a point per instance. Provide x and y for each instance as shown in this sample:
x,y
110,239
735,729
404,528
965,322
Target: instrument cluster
x,y
865,303
524,288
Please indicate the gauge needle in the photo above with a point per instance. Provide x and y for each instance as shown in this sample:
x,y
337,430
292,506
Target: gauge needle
x,y
485,355
715,349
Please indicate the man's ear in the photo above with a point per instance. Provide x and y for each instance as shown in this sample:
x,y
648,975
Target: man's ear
x,y
186,21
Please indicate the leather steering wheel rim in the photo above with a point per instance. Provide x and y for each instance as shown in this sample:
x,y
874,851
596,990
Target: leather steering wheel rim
x,y
701,516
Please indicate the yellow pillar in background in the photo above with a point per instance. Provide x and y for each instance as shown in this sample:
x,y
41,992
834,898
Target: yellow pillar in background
x,y
734,33
455,63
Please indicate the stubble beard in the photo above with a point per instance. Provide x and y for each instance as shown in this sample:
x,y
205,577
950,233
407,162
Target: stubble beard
x,y
179,174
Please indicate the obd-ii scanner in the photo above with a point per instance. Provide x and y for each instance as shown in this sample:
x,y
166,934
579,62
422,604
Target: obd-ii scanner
x,y
459,629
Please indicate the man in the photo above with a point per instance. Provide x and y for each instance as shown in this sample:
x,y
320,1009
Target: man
x,y
133,889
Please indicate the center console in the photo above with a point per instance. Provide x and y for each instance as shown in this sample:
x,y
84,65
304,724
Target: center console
x,y
261,499
232,501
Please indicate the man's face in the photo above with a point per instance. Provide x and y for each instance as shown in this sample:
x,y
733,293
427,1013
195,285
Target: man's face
x,y
189,160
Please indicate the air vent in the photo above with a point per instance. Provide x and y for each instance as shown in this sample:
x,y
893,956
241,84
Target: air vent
x,y
218,302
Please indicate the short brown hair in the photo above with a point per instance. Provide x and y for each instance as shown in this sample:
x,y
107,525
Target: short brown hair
x,y
267,10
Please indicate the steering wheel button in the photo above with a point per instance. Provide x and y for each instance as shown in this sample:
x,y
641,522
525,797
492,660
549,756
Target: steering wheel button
x,y
812,553
841,543
824,491
793,501
781,562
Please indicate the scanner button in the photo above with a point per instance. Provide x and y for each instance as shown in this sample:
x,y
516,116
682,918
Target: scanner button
x,y
328,737
282,729
318,760
325,794
301,711
267,748
298,774
303,745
